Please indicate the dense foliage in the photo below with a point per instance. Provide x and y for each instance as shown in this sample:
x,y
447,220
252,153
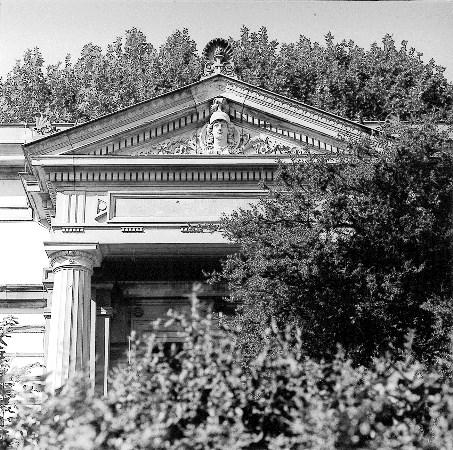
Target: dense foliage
x,y
98,82
6,383
201,396
356,253
342,77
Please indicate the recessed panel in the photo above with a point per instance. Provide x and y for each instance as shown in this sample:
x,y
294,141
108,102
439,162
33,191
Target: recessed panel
x,y
181,207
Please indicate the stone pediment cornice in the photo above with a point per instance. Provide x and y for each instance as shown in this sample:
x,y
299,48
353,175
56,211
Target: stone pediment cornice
x,y
189,108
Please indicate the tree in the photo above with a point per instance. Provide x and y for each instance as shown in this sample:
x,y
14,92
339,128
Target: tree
x,y
340,77
24,93
344,78
98,83
178,62
133,65
255,57
63,88
121,77
356,254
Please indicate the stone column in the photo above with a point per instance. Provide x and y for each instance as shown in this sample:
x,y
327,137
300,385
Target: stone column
x,y
102,346
70,324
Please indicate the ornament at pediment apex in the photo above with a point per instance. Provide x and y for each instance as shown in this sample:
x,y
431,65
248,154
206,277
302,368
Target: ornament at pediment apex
x,y
219,104
219,58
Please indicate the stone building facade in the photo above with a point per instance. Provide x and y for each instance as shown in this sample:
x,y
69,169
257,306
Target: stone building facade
x,y
106,225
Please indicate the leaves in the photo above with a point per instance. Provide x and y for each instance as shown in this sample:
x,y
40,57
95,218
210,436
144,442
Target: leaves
x,y
380,83
355,254
6,385
201,395
97,83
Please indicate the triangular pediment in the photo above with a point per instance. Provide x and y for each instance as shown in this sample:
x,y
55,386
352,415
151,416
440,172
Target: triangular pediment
x,y
177,123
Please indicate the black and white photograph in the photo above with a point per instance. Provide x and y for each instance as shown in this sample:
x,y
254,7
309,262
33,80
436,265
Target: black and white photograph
x,y
226,225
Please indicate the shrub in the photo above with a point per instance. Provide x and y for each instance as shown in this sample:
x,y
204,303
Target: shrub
x,y
6,382
200,395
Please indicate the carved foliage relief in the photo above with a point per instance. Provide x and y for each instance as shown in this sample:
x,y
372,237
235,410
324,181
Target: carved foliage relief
x,y
233,140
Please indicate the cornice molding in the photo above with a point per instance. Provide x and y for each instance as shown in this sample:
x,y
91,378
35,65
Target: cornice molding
x,y
255,98
159,161
189,100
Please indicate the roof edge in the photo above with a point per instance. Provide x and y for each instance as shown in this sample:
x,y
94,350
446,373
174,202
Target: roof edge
x,y
203,80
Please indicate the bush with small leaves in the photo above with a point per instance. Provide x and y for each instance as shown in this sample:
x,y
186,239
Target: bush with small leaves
x,y
6,382
200,395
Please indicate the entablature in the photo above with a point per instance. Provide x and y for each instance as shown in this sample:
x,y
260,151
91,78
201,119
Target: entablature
x,y
74,193
217,134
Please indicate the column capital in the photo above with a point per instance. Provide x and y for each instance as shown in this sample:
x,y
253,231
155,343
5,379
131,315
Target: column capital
x,y
73,256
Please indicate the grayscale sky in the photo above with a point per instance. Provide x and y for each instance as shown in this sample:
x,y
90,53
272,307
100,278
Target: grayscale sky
x,y
59,27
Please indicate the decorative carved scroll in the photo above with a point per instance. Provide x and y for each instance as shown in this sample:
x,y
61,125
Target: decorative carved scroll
x,y
265,145
201,228
175,146
240,143
236,141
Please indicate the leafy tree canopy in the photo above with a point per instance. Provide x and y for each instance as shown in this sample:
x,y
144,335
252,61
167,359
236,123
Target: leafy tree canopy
x,y
341,77
129,71
356,254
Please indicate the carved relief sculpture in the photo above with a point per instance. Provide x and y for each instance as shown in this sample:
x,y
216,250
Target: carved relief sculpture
x,y
218,54
221,137
218,137
43,126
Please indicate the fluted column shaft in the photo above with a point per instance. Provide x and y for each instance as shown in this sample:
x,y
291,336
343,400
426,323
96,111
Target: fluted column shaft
x,y
71,321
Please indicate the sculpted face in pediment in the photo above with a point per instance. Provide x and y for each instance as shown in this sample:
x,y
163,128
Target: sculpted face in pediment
x,y
181,122
201,143
220,136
